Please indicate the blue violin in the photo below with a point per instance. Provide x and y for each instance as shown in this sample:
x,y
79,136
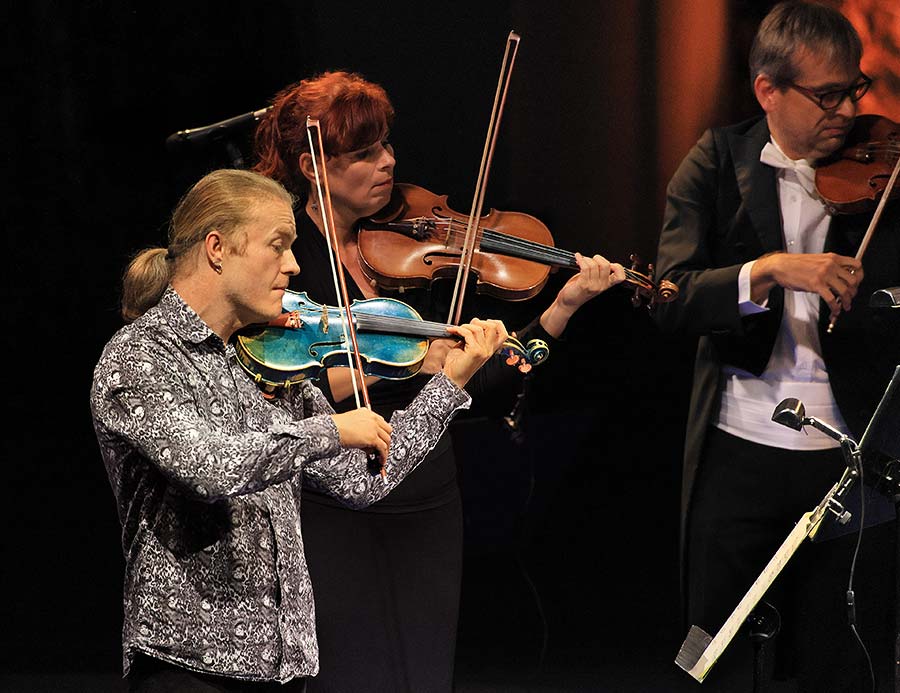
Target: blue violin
x,y
392,337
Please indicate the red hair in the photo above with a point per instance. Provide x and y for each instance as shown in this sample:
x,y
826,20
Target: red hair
x,y
352,113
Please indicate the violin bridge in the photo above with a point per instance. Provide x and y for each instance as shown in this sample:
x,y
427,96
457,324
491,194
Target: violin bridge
x,y
293,320
324,321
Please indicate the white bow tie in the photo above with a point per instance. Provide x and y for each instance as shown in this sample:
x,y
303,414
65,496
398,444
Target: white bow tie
x,y
806,174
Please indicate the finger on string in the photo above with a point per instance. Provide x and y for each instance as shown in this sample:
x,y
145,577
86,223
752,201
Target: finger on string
x,y
502,334
478,327
595,263
587,263
463,331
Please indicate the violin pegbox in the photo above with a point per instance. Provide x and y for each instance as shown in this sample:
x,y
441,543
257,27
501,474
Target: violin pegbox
x,y
525,357
519,362
637,298
646,290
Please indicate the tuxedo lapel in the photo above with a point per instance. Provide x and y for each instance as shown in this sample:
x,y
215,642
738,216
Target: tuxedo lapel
x,y
756,182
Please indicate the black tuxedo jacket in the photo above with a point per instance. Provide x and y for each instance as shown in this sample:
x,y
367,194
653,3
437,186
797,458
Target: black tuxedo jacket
x,y
723,211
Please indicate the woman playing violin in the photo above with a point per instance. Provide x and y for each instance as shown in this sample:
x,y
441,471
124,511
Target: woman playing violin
x,y
387,580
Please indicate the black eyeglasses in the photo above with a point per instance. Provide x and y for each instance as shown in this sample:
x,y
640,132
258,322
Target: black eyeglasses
x,y
829,100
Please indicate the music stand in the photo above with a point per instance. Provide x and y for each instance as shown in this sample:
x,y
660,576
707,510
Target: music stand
x,y
880,444
881,439
881,471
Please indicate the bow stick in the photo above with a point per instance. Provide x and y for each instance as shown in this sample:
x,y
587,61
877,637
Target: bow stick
x,y
468,249
885,195
354,359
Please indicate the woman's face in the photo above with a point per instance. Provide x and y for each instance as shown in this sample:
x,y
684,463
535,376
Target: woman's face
x,y
361,181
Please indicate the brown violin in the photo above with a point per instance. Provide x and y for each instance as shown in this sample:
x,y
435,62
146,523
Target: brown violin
x,y
853,179
417,238
862,174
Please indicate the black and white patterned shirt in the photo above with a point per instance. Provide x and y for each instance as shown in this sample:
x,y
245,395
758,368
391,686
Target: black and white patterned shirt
x,y
207,473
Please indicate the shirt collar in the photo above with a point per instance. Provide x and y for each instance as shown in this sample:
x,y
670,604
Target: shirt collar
x,y
773,155
183,320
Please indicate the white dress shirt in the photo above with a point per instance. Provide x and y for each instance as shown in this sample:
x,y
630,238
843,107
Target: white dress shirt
x,y
796,367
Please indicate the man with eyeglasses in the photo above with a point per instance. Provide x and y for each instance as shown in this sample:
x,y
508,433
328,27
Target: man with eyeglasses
x,y
762,266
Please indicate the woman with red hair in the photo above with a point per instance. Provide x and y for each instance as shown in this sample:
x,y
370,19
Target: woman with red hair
x,y
387,580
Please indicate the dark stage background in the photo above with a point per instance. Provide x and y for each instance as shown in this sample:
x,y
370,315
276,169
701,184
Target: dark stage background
x,y
570,574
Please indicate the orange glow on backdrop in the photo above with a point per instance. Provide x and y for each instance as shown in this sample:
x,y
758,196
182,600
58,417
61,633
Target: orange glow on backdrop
x,y
691,75
878,24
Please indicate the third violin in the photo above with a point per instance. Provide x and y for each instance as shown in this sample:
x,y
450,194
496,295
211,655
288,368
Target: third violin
x,y
852,179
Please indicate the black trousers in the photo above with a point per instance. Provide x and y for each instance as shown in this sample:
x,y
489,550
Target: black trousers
x,y
747,499
387,589
150,675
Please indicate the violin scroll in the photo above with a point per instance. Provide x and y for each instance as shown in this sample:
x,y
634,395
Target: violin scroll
x,y
525,357
666,291
646,290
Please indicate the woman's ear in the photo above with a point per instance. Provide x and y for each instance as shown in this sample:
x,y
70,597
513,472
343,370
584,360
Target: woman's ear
x,y
305,164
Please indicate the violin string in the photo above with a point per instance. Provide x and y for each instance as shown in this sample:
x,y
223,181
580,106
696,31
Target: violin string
x,y
501,240
400,325
533,250
411,327
876,148
384,323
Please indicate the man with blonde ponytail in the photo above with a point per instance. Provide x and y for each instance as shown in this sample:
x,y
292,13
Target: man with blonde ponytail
x,y
206,472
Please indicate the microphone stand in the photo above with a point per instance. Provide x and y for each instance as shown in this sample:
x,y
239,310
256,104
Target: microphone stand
x,y
700,651
791,413
222,133
853,460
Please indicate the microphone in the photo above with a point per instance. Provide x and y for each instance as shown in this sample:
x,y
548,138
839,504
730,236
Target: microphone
x,y
214,132
885,298
790,412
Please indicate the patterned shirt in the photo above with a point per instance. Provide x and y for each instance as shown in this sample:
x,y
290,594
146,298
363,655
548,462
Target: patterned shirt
x,y
207,474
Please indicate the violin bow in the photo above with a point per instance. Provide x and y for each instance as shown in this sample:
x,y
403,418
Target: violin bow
x,y
459,288
354,359
885,195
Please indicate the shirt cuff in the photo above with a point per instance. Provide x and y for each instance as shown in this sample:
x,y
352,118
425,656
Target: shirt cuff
x,y
745,305
447,397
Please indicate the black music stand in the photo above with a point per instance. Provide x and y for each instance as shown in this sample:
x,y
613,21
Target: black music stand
x,y
878,456
880,446
879,450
